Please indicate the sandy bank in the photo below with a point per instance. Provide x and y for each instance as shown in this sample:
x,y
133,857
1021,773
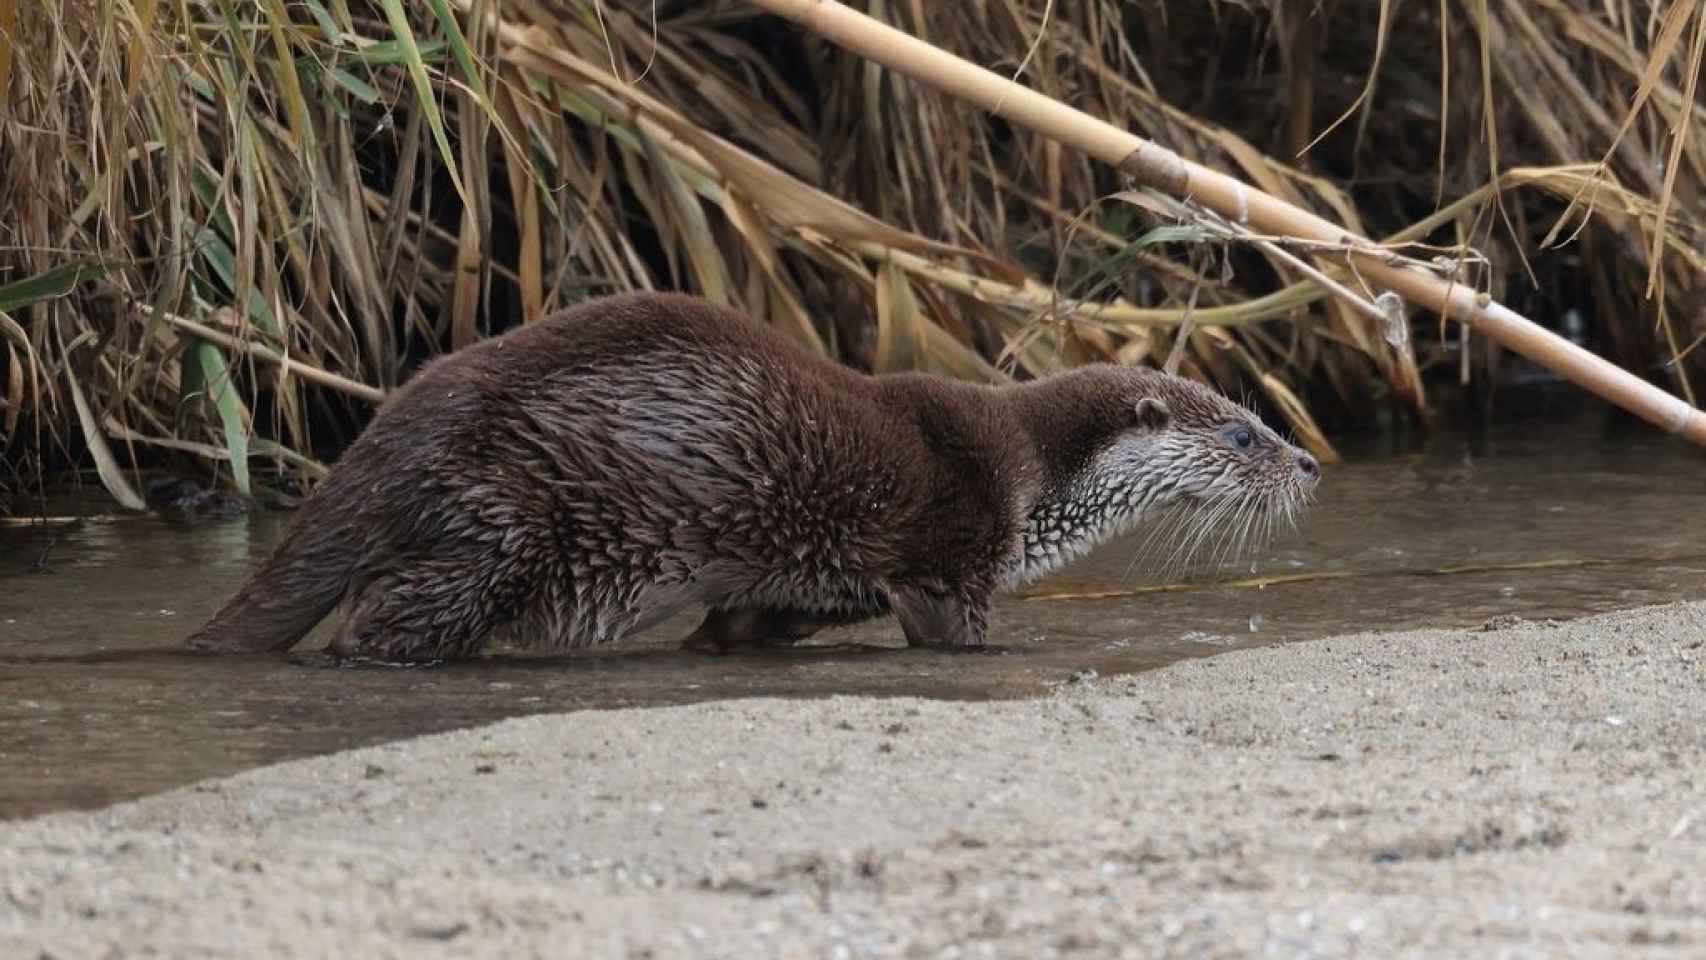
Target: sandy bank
x,y
1532,790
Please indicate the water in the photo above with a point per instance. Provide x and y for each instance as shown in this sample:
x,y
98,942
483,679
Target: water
x,y
96,704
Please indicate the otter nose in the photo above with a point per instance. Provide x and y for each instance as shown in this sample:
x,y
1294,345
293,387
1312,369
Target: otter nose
x,y
1307,468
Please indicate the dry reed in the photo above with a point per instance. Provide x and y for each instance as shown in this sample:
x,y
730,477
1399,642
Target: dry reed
x,y
291,204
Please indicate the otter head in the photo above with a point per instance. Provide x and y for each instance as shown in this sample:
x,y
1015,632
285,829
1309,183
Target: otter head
x,y
1126,444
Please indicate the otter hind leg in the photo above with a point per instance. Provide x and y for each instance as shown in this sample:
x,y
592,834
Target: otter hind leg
x,y
430,611
731,628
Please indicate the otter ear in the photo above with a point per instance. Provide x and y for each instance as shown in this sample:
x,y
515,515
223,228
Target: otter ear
x,y
1152,414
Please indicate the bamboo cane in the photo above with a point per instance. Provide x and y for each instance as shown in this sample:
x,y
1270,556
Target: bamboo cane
x,y
1156,166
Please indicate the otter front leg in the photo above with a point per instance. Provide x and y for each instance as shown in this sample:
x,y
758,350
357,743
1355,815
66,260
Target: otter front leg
x,y
931,619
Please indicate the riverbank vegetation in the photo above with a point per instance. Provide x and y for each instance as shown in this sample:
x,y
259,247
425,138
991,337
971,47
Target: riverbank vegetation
x,y
230,228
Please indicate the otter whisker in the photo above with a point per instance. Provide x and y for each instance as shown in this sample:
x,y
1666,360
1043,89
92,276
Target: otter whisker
x,y
1167,542
1211,547
1228,523
1163,534
1184,546
1252,511
1253,527
1268,519
1190,548
1214,546
1156,522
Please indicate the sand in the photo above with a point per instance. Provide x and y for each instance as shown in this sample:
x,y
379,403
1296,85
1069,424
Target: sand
x,y
1522,790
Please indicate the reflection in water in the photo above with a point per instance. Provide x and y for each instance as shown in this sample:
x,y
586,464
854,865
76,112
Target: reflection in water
x,y
96,705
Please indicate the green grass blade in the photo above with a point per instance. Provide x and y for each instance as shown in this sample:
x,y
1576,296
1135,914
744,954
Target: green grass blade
x,y
192,383
459,47
112,475
206,187
399,20
219,255
362,90
390,53
47,285
1187,233
199,84
217,377
328,26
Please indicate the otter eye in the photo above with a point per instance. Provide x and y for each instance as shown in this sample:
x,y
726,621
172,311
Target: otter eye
x,y
1238,435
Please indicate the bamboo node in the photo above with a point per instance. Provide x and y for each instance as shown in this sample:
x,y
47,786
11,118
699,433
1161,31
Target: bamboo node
x,y
1397,332
1157,166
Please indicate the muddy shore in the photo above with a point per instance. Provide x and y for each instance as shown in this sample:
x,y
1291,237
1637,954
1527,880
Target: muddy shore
x,y
1526,789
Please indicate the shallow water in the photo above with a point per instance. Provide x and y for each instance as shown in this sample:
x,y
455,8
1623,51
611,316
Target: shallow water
x,y
96,705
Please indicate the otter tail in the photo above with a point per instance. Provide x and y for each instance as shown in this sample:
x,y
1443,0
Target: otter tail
x,y
281,601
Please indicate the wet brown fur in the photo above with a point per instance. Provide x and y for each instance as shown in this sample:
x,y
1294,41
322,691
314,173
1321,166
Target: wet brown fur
x,y
581,478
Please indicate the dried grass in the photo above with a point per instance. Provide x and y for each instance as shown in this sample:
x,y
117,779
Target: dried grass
x,y
301,200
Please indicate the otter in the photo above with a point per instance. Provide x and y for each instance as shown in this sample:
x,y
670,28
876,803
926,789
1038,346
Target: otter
x,y
576,480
